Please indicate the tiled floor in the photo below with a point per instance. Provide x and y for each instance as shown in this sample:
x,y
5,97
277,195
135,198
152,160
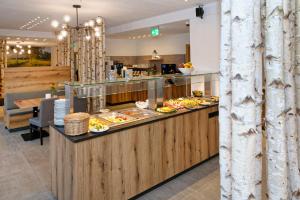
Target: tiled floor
x,y
24,174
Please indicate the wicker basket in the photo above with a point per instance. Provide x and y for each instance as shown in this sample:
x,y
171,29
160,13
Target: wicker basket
x,y
76,124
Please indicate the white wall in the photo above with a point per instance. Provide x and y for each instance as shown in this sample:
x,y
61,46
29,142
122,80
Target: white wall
x,y
120,47
205,40
165,45
204,37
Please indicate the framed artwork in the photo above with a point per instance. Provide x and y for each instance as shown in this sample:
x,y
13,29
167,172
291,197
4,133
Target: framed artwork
x,y
28,56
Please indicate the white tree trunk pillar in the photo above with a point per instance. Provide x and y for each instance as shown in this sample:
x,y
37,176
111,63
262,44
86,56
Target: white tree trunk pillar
x,y
243,101
275,102
225,102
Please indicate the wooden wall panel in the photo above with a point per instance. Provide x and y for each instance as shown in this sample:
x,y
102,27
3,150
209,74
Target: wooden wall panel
x,y
25,79
121,165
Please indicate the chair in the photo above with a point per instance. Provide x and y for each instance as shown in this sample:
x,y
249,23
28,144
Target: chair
x,y
45,116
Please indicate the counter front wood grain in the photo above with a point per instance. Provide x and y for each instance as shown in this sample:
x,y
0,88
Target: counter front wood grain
x,y
121,165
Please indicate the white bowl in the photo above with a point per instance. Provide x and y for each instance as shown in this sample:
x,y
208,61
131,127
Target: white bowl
x,y
142,104
186,71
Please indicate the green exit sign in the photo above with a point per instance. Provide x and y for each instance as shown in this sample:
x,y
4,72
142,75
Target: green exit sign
x,y
155,32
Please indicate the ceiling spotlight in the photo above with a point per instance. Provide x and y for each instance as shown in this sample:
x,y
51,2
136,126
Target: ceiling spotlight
x,y
7,47
7,52
54,23
29,46
29,51
36,39
97,29
67,18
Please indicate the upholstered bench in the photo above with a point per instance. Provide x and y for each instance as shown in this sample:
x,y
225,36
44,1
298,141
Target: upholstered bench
x,y
14,117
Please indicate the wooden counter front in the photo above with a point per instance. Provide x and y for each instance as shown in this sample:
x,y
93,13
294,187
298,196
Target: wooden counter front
x,y
123,164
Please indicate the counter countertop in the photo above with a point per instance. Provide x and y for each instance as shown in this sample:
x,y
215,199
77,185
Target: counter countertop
x,y
129,125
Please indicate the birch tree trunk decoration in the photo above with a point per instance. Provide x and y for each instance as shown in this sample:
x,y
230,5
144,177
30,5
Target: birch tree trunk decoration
x,y
275,102
225,102
297,76
243,101
290,98
258,23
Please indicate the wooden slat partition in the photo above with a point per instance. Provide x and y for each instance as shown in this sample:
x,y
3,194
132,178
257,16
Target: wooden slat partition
x,y
26,79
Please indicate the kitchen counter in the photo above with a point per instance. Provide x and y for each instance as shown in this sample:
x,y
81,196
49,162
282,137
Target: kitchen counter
x,y
131,158
128,125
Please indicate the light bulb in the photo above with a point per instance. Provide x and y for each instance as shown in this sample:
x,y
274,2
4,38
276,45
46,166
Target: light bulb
x,y
88,37
7,52
97,29
15,50
20,52
54,23
97,34
64,33
7,47
67,18
29,46
91,23
60,37
64,26
99,20
29,51
86,24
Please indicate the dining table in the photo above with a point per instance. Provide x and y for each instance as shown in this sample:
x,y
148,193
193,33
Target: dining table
x,y
34,104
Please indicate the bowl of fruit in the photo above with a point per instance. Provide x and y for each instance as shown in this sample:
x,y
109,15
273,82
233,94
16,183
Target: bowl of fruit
x,y
186,68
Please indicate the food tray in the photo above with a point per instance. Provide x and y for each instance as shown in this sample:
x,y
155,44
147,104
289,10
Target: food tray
x,y
108,116
138,113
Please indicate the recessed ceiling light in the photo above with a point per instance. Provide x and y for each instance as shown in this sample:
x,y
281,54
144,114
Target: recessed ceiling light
x,y
36,39
18,38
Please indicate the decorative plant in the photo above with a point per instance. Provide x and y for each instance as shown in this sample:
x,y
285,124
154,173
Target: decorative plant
x,y
53,89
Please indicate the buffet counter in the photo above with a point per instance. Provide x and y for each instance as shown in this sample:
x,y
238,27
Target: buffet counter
x,y
131,158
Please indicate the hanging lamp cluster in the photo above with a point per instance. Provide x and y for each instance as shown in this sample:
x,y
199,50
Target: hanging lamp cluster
x,y
93,25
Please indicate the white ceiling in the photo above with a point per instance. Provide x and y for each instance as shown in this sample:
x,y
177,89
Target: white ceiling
x,y
15,13
166,29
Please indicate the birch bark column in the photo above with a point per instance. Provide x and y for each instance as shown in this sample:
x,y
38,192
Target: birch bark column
x,y
290,98
297,73
275,102
243,100
225,102
258,55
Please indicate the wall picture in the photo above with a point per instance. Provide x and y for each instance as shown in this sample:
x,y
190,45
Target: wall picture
x,y
27,56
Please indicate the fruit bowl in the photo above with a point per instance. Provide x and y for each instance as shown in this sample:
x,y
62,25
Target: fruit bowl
x,y
186,71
